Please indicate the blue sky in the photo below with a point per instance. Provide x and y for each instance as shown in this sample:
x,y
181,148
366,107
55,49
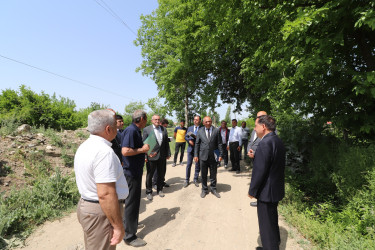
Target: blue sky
x,y
79,40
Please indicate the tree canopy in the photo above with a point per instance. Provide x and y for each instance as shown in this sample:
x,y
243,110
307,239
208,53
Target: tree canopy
x,y
315,58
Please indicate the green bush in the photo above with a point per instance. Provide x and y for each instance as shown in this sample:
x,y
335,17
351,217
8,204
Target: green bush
x,y
26,208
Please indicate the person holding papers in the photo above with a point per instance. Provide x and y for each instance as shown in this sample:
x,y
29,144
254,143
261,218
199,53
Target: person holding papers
x,y
157,137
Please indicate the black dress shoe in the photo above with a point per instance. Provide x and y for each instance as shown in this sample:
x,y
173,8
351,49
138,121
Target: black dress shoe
x,y
196,183
186,183
254,204
215,193
203,194
232,169
238,171
259,248
166,185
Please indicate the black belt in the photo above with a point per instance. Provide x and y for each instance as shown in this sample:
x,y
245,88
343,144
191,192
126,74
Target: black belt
x,y
93,201
233,142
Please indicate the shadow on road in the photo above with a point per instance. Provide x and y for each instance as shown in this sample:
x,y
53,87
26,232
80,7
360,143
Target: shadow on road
x,y
160,218
283,236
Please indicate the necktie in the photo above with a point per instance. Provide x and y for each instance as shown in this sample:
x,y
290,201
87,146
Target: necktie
x,y
195,130
208,134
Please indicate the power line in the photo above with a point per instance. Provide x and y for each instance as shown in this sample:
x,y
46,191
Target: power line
x,y
65,77
117,17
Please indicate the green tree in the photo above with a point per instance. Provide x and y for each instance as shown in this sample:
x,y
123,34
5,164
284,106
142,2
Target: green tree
x,y
169,38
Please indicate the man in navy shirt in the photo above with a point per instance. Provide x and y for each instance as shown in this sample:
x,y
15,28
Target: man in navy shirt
x,y
133,151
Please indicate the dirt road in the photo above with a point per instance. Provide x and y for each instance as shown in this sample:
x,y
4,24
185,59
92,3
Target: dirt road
x,y
182,219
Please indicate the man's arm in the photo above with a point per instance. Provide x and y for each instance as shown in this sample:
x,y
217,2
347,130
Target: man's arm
x,y
134,151
175,133
197,147
109,203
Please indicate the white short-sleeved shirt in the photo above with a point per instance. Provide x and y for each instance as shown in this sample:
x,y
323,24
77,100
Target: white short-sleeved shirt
x,y
96,162
236,135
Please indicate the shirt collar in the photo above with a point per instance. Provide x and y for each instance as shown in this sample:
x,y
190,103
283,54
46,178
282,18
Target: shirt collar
x,y
101,139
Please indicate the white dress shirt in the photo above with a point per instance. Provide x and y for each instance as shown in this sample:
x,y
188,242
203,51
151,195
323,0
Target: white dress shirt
x,y
236,135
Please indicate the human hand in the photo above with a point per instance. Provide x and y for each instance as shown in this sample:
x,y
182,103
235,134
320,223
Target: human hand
x,y
191,143
196,159
145,148
251,197
117,235
153,154
251,153
239,148
168,157
220,158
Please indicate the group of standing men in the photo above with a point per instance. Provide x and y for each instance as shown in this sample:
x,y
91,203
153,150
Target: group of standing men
x,y
105,186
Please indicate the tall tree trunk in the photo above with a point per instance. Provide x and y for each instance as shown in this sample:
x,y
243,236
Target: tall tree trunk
x,y
186,105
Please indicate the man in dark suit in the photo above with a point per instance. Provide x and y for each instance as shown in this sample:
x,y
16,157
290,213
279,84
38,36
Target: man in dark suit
x,y
224,132
267,180
252,146
157,160
208,139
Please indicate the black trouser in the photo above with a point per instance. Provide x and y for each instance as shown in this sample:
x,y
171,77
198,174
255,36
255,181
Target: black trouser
x,y
225,153
177,148
132,203
212,165
234,155
268,224
160,166
244,146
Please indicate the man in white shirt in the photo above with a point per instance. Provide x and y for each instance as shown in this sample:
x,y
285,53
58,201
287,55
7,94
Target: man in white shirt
x,y
234,147
101,183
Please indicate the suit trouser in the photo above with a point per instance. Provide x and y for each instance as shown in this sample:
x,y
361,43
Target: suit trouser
x,y
132,204
190,157
244,146
160,166
96,227
268,224
234,155
211,164
225,153
177,149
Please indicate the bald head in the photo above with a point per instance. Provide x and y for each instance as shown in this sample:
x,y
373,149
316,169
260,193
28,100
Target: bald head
x,y
260,113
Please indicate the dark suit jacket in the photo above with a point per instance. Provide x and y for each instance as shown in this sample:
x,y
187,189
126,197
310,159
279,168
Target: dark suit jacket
x,y
204,148
227,135
190,138
253,144
267,180
163,150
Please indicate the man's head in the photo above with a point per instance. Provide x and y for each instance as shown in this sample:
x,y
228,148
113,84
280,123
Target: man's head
x,y
223,124
102,123
164,123
260,113
156,120
197,120
139,118
264,125
207,122
182,123
119,122
234,123
243,124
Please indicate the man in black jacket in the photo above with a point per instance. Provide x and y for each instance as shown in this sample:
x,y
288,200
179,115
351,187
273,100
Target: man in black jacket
x,y
208,139
267,180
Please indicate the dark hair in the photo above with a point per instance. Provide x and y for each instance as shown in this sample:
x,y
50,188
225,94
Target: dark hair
x,y
223,121
164,121
198,116
268,121
243,123
137,115
182,120
234,120
119,117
